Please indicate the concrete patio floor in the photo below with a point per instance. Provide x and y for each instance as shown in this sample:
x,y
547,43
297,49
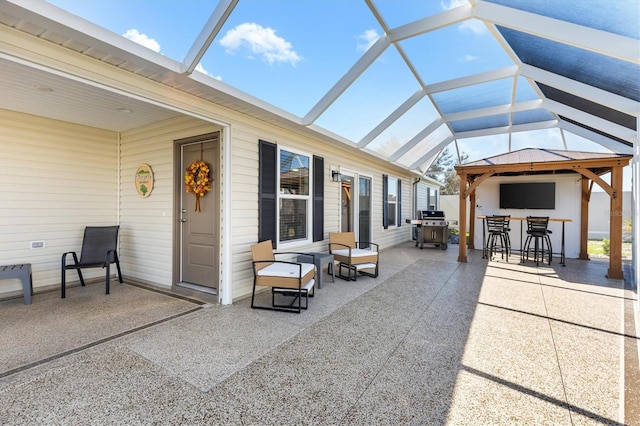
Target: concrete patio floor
x,y
430,341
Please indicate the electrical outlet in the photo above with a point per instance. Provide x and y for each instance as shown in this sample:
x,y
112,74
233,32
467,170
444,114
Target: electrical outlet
x,y
36,245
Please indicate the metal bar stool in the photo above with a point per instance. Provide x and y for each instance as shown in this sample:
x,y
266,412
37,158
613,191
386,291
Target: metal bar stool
x,y
498,236
538,232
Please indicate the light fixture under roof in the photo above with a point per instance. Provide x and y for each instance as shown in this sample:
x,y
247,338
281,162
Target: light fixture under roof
x,y
124,110
44,88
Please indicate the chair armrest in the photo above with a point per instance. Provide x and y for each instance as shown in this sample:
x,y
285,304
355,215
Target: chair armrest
x,y
359,243
298,264
64,258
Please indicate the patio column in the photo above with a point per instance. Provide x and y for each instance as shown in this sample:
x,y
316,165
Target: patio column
x,y
462,242
584,218
615,225
472,220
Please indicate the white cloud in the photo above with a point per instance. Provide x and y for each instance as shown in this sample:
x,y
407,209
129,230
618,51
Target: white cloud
x,y
142,39
366,40
452,4
201,69
475,26
468,58
260,41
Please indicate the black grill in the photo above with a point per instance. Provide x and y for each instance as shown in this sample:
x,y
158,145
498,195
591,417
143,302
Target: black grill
x,y
431,228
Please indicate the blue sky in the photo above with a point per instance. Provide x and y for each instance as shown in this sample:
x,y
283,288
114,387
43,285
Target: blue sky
x,y
290,52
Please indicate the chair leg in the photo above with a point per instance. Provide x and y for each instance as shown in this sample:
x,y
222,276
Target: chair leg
x,y
63,285
118,267
108,268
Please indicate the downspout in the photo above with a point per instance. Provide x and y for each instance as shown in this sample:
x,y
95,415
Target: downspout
x,y
118,174
226,284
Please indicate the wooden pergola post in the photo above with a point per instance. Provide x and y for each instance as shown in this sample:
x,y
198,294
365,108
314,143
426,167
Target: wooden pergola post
x,y
472,221
615,225
584,219
462,242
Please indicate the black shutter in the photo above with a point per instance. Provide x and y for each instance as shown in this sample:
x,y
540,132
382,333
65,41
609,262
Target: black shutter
x,y
318,198
267,192
385,201
399,206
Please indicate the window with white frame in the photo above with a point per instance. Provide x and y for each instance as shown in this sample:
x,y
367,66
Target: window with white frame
x,y
294,197
290,195
392,201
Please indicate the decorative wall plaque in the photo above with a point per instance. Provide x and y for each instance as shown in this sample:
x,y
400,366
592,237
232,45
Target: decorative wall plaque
x,y
144,180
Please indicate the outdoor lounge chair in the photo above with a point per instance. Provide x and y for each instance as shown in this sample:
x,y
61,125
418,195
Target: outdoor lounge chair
x,y
98,251
356,256
286,278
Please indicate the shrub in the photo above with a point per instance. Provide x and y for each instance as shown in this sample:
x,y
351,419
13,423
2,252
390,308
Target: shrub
x,y
606,246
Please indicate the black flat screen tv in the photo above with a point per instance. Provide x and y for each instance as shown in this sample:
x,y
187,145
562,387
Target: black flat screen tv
x,y
528,195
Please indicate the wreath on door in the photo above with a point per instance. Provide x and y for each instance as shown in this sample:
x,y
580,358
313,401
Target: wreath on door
x,y
197,181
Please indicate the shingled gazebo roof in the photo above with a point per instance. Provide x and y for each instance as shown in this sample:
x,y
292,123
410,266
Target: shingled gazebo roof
x,y
538,161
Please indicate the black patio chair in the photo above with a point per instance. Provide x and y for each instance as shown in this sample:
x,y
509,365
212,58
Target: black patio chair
x,y
98,251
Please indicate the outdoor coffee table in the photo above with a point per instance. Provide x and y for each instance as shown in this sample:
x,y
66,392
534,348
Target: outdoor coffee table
x,y
321,259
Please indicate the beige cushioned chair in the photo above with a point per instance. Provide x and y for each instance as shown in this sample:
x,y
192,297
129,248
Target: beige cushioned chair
x,y
348,252
287,279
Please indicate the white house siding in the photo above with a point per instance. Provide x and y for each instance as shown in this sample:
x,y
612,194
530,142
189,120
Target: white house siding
x,y
146,236
147,224
244,164
568,193
55,179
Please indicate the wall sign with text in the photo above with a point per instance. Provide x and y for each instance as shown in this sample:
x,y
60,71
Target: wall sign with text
x,y
144,180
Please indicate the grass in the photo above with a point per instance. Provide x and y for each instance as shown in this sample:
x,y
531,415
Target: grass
x,y
595,248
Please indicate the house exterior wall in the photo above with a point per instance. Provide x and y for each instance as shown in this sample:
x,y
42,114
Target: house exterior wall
x,y
65,197
55,178
599,208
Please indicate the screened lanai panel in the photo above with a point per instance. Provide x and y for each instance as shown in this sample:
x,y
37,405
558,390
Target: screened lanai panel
x,y
481,147
614,16
524,90
418,118
479,123
492,93
606,73
588,106
600,132
544,139
531,116
456,51
290,53
401,12
429,143
379,90
143,21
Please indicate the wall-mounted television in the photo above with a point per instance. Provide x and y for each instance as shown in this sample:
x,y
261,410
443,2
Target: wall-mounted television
x,y
528,195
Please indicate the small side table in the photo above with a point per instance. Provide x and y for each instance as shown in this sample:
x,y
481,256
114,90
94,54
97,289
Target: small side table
x,y
321,259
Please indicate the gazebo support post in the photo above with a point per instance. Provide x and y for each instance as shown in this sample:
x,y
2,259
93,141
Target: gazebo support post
x,y
584,218
462,242
615,225
472,221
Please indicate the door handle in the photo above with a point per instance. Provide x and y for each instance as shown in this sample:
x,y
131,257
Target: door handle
x,y
182,220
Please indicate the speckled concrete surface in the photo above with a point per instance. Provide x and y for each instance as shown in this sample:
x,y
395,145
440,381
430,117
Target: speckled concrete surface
x,y
430,341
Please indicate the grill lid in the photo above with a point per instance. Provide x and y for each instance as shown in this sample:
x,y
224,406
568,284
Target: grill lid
x,y
430,214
